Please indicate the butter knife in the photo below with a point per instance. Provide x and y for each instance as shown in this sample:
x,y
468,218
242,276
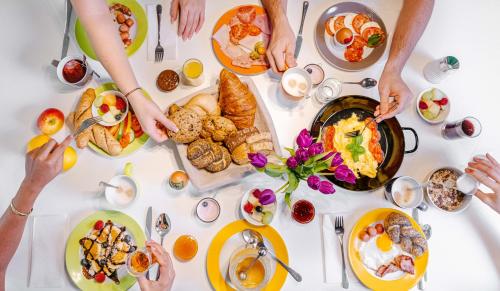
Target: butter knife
x,y
298,42
414,214
147,230
69,10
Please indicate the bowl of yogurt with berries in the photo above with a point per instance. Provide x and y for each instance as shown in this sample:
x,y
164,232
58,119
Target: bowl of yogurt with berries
x,y
111,106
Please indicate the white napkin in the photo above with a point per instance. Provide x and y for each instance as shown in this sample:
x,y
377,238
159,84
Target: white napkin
x,y
332,258
168,33
48,243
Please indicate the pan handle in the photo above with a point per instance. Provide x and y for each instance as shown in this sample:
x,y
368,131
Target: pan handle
x,y
416,139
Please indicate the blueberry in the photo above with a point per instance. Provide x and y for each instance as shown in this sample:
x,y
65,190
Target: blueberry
x,y
102,262
85,263
118,117
258,208
104,245
127,238
132,249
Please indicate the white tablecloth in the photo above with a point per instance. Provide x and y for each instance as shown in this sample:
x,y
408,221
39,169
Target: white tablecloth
x,y
464,248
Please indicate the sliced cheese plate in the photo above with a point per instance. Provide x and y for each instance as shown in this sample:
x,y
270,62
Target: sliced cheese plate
x,y
206,181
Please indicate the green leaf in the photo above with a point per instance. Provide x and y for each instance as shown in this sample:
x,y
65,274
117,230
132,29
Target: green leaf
x,y
374,40
291,151
293,182
321,166
288,199
355,147
274,170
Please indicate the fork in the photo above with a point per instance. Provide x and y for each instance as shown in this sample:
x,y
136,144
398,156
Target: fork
x,y
159,49
339,230
356,133
86,124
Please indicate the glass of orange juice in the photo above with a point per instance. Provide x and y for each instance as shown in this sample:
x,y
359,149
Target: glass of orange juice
x,y
185,247
139,262
192,72
257,276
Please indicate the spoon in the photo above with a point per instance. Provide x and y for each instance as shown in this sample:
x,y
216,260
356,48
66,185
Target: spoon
x,y
365,83
104,184
162,227
253,237
243,274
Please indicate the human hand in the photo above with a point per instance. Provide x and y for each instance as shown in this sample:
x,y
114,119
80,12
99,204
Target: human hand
x,y
44,163
281,47
192,16
149,114
167,273
487,171
392,85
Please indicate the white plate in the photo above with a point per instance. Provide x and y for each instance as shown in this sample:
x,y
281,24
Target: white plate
x,y
246,216
442,115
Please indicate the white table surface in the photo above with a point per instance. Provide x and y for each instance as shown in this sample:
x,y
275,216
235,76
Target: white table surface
x,y
464,248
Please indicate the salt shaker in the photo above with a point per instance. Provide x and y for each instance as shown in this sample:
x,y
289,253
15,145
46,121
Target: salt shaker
x,y
437,70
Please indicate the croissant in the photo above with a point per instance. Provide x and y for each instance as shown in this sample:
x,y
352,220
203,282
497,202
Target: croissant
x,y
236,101
97,134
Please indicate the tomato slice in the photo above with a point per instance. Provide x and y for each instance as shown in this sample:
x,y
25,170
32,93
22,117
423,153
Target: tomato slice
x,y
253,30
352,54
238,32
358,42
328,138
339,23
358,21
373,31
327,26
136,126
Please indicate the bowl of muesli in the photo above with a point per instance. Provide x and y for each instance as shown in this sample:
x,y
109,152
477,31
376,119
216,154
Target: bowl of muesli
x,y
441,190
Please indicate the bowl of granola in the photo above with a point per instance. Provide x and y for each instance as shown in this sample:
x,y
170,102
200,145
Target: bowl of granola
x,y
441,190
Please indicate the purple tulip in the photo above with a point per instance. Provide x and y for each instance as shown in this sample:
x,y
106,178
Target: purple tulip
x,y
326,187
304,139
302,155
313,182
351,178
292,163
257,160
328,155
342,172
267,197
337,160
315,149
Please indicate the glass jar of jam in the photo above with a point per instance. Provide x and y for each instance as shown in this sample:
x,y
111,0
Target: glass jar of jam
x,y
303,211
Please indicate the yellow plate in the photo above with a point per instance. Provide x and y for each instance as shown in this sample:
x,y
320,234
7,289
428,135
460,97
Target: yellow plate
x,y
371,281
213,268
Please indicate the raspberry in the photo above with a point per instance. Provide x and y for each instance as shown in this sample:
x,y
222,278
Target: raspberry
x,y
104,108
443,101
422,105
256,193
248,208
120,104
100,277
99,225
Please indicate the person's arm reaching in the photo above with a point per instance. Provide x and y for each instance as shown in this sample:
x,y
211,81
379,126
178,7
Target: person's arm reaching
x,y
42,165
411,23
282,44
106,42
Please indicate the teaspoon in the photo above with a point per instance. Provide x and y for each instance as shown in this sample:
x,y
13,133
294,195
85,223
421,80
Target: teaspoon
x,y
365,83
162,227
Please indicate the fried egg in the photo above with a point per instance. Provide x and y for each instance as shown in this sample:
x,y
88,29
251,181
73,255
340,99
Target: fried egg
x,y
366,164
378,251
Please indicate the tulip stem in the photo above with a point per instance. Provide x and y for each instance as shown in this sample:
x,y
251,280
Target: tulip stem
x,y
282,187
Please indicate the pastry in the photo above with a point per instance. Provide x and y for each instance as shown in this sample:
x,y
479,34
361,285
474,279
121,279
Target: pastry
x,y
188,123
240,154
265,147
97,134
204,104
217,127
237,138
221,164
236,101
400,230
263,136
173,108
203,153
167,80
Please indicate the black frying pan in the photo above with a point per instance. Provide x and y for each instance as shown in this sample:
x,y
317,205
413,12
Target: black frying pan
x,y
392,138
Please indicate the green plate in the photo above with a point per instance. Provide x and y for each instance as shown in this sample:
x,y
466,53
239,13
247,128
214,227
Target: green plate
x,y
136,144
141,24
73,250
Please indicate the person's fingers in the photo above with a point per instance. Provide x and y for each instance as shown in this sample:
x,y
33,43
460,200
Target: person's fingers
x,y
289,57
174,10
189,25
485,197
384,99
487,168
46,149
492,160
279,59
143,281
201,20
167,123
182,22
272,64
60,148
394,108
193,19
481,177
377,111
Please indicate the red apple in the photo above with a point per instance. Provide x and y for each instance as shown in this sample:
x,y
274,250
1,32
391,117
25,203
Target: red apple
x,y
50,121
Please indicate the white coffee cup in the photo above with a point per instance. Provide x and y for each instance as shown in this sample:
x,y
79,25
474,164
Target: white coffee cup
x,y
81,82
296,83
405,192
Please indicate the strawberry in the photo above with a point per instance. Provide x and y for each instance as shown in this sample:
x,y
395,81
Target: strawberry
x,y
99,225
100,277
256,193
104,108
347,40
422,105
120,104
443,101
248,208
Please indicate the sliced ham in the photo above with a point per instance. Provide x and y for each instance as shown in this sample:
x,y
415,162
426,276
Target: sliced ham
x,y
262,23
405,263
246,14
243,61
234,21
386,269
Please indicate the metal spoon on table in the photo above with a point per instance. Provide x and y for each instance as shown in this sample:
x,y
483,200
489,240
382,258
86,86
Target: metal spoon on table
x,y
243,274
162,227
253,237
104,184
365,83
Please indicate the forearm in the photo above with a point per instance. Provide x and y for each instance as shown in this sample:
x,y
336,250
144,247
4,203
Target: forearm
x,y
106,42
276,11
12,225
411,24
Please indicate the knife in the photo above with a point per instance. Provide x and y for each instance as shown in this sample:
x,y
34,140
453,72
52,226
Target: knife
x,y
298,42
69,10
147,230
414,213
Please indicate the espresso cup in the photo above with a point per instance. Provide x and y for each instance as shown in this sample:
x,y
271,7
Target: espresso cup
x,y
296,83
395,192
81,76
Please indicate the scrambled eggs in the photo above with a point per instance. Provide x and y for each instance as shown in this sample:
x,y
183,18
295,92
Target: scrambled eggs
x,y
366,164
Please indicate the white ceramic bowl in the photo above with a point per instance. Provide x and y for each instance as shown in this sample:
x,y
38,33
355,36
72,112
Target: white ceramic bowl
x,y
118,94
113,197
247,216
465,202
442,115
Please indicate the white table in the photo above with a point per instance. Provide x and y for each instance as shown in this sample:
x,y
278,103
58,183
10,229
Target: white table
x,y
464,249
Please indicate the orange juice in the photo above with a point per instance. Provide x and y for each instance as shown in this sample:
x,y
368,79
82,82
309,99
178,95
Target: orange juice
x,y
192,72
255,275
185,247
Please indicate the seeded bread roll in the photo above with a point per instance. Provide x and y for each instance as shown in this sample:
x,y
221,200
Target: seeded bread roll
x,y
221,164
188,123
218,127
197,148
